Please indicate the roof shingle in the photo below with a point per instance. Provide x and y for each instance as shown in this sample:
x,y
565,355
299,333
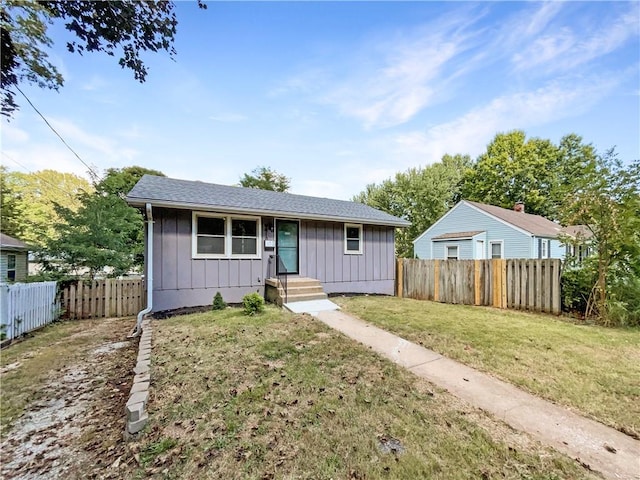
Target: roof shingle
x,y
534,224
174,193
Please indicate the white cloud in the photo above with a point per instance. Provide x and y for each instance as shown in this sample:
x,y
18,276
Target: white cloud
x,y
471,132
12,133
566,49
95,83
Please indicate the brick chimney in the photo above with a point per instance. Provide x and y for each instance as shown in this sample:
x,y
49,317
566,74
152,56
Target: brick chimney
x,y
519,207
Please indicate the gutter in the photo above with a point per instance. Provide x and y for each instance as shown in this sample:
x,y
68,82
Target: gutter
x,y
149,274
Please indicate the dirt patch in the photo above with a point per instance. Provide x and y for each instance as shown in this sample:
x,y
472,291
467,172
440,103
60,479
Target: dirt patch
x,y
73,427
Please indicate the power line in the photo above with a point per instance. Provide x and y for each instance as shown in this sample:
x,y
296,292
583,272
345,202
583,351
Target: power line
x,y
72,195
95,176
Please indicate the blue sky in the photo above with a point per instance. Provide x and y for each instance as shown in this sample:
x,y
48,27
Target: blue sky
x,y
337,95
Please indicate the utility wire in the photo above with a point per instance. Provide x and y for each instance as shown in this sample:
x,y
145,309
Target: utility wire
x,y
42,179
94,175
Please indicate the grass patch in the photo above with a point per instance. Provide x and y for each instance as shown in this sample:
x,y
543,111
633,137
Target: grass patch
x,y
594,370
282,396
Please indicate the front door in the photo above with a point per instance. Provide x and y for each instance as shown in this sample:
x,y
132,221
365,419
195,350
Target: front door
x,y
287,246
479,250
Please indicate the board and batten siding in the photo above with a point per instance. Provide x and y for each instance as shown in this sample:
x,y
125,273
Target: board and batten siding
x,y
465,218
322,257
182,281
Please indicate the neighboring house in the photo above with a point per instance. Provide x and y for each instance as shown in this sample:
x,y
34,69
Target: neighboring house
x,y
209,238
14,259
472,230
580,243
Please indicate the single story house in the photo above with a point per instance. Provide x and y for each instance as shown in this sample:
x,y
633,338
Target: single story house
x,y
580,243
207,238
472,230
14,259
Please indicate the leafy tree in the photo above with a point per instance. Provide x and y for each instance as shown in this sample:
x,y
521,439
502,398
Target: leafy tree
x,y
10,206
104,232
265,178
607,201
125,28
38,193
420,195
514,169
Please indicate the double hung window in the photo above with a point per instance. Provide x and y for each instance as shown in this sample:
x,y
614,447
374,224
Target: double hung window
x,y
216,236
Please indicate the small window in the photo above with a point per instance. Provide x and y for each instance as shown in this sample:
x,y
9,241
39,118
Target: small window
x,y
544,249
452,252
244,237
352,239
11,268
210,236
496,249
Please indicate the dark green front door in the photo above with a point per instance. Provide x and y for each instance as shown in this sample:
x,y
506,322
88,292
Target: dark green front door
x,y
287,246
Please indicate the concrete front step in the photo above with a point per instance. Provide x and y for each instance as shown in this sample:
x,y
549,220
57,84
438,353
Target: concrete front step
x,y
294,282
307,290
302,297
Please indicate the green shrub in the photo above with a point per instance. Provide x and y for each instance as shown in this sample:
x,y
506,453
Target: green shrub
x,y
576,285
218,302
253,303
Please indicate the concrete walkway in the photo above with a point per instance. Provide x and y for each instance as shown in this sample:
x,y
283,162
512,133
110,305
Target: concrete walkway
x,y
604,449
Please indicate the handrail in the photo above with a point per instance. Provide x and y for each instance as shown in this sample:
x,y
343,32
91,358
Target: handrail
x,y
282,273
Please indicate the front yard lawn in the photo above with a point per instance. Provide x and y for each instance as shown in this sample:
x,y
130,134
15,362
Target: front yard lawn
x,y
593,370
279,395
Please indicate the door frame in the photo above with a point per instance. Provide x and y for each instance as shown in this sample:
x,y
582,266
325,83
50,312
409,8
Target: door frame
x,y
287,220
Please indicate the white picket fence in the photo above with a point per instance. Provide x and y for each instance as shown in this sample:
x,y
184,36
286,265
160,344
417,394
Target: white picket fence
x,y
26,306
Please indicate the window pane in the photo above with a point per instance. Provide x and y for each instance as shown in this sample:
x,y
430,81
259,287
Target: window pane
x,y
496,250
243,246
353,232
353,245
11,262
244,228
452,253
211,245
11,275
210,226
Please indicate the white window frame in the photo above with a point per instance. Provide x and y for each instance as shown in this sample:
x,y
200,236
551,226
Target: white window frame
x,y
545,247
228,236
491,243
360,239
15,266
446,252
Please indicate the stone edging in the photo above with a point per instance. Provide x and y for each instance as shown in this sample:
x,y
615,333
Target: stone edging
x,y
137,416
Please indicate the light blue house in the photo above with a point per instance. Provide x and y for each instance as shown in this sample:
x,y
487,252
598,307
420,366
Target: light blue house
x,y
472,230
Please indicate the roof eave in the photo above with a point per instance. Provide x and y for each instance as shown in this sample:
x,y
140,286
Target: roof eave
x,y
140,202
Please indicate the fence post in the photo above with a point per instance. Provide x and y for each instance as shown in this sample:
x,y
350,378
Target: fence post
x,y
436,281
476,282
399,277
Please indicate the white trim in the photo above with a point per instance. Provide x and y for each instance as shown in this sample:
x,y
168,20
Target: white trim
x,y
228,236
446,251
136,202
475,250
501,243
360,239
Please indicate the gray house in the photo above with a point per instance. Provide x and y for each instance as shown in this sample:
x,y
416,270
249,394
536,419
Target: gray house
x,y
472,230
208,238
14,259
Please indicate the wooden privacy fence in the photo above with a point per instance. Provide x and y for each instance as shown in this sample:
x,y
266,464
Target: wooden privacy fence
x,y
25,307
103,298
514,283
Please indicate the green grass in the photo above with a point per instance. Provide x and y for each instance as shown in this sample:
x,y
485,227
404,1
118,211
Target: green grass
x,y
278,395
593,370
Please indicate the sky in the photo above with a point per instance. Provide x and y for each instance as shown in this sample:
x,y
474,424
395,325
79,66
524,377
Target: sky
x,y
338,95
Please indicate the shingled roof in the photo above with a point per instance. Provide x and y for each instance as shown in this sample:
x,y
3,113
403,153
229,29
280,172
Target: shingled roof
x,y
10,243
534,224
187,194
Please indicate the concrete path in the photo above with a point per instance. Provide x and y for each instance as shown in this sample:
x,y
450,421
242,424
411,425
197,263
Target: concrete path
x,y
604,449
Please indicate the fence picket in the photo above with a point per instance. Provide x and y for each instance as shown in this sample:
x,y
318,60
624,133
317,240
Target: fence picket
x,y
103,298
514,283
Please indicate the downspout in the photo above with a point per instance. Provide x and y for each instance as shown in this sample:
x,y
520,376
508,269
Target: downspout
x,y
149,273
